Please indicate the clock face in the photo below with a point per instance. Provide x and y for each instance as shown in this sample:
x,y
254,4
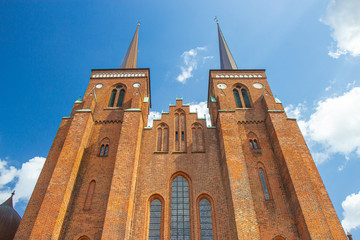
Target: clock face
x,y
258,85
222,85
136,85
99,85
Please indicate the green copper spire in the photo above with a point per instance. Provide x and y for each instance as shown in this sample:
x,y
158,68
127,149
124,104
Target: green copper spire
x,y
226,59
130,58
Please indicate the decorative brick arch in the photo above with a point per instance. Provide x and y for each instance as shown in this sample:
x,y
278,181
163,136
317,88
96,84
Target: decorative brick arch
x,y
180,130
162,137
198,141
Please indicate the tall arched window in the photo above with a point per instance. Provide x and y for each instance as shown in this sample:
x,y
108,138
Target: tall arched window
x,y
118,92
197,138
112,98
180,131
241,97
237,99
180,209
89,195
264,184
155,220
205,220
162,138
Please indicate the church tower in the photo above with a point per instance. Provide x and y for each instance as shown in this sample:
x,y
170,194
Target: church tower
x,y
248,176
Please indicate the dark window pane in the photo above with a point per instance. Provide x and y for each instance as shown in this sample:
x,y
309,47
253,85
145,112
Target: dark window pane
x,y
255,144
237,99
102,150
112,98
205,219
263,182
121,98
106,150
180,221
246,98
251,144
155,219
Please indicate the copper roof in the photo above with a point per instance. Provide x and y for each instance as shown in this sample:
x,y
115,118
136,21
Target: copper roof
x,y
9,220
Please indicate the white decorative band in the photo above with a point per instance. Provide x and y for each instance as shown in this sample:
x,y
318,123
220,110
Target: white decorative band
x,y
116,75
240,76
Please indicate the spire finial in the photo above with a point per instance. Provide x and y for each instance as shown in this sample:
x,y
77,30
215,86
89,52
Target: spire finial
x,y
216,20
226,59
130,58
13,193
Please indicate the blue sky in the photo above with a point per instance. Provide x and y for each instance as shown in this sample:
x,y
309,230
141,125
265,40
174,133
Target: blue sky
x,y
310,50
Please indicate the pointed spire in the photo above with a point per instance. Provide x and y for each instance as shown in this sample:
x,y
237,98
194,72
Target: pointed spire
x,y
130,58
226,59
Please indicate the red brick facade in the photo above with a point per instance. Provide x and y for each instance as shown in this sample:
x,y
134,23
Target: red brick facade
x,y
252,166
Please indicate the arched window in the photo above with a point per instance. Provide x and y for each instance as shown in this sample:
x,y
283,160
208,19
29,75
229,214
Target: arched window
x,y
155,220
112,98
180,128
251,144
237,99
104,147
197,138
255,144
180,211
253,140
162,138
241,99
205,220
264,184
121,98
89,195
118,92
106,150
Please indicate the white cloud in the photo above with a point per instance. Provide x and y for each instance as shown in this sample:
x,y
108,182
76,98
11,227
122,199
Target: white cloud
x,y
344,19
202,111
190,64
151,117
334,125
351,213
24,179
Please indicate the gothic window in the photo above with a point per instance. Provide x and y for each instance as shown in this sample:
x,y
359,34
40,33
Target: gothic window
x,y
180,213
104,148
180,131
205,220
89,195
251,144
264,184
253,141
155,220
162,138
241,97
197,138
118,92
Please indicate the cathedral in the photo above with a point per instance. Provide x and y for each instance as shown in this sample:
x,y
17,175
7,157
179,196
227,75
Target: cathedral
x,y
249,175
